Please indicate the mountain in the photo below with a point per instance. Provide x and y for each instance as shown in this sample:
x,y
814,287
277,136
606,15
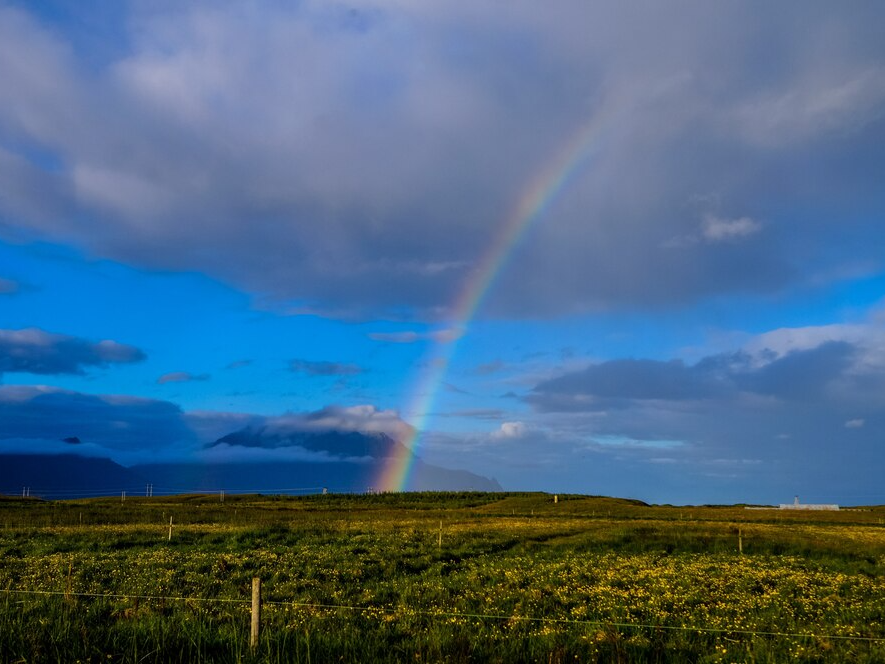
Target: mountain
x,y
65,476
303,477
340,461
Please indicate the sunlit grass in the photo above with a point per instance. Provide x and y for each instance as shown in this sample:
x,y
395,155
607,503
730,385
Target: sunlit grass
x,y
514,578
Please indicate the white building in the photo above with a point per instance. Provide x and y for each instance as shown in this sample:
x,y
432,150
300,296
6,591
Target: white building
x,y
796,505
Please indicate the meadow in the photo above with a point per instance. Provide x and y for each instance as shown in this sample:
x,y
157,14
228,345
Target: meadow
x,y
467,577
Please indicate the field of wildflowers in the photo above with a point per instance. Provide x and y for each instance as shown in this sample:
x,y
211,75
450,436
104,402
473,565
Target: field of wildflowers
x,y
438,578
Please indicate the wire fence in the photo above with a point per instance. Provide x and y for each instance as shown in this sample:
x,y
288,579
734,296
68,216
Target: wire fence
x,y
152,491
393,610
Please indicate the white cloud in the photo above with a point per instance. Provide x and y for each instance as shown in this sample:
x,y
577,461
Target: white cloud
x,y
855,423
781,341
867,337
717,229
363,419
510,430
823,101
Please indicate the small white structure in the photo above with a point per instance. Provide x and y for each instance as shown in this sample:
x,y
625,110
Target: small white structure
x,y
796,505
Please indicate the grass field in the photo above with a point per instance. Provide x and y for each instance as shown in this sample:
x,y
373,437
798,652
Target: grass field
x,y
438,578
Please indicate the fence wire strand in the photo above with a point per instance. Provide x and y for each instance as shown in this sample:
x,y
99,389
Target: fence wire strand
x,y
456,614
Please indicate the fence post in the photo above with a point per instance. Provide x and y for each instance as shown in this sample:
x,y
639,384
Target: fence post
x,y
69,584
170,528
256,611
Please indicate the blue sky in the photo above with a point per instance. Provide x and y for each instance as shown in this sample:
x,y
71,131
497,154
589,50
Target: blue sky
x,y
214,212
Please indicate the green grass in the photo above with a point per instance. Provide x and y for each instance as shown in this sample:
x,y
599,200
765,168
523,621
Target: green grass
x,y
517,577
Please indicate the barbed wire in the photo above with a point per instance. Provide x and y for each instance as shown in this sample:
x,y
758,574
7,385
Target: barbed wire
x,y
456,614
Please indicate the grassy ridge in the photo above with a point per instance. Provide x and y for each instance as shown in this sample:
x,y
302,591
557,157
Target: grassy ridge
x,y
517,577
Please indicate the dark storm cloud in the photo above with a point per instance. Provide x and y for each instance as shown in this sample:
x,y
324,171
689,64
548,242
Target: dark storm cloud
x,y
768,422
802,375
324,368
34,351
364,170
49,420
797,375
639,379
112,422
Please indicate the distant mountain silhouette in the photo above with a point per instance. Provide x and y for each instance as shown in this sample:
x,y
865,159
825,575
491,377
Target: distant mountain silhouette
x,y
345,462
65,476
355,460
303,476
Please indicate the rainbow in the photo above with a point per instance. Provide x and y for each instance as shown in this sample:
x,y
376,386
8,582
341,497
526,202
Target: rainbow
x,y
531,206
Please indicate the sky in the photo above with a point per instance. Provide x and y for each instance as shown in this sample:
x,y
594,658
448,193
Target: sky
x,y
577,247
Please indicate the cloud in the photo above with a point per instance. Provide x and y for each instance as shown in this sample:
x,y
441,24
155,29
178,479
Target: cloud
x,y
820,102
238,364
112,423
408,337
254,453
356,432
799,408
209,425
601,385
181,377
366,167
796,375
32,350
509,430
716,229
477,413
364,418
802,374
442,336
622,442
312,368
489,368
8,287
41,419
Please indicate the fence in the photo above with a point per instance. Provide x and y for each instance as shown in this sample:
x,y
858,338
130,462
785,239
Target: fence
x,y
256,604
148,491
